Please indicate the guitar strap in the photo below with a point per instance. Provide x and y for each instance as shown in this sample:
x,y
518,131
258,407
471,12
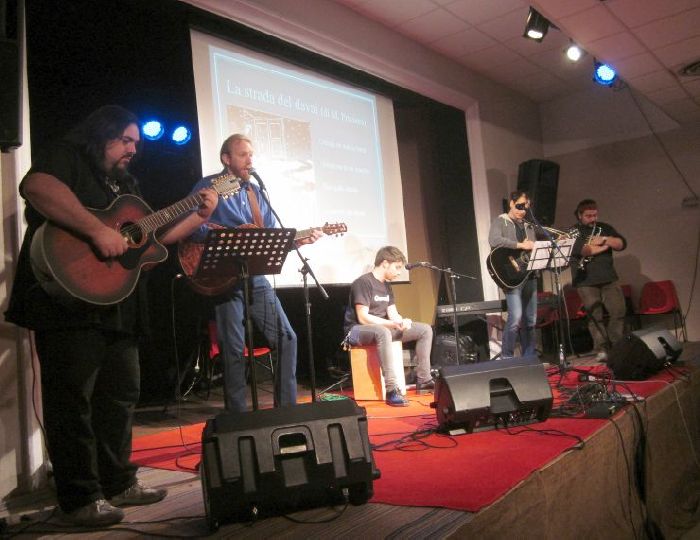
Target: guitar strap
x,y
254,206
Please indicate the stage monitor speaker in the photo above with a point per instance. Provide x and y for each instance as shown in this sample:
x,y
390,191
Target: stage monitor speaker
x,y
540,178
272,461
642,353
499,393
10,95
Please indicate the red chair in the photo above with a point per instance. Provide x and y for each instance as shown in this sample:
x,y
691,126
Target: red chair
x,y
574,304
659,298
258,352
547,314
546,309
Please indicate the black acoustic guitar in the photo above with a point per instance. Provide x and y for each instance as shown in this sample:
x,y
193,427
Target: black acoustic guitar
x,y
68,268
508,266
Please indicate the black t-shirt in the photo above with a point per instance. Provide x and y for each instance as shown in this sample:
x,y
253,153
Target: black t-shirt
x,y
368,291
598,270
30,306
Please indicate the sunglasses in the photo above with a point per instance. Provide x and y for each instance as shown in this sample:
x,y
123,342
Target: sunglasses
x,y
522,206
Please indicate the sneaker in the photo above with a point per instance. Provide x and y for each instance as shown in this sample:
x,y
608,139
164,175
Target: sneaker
x,y
426,387
95,514
395,399
137,495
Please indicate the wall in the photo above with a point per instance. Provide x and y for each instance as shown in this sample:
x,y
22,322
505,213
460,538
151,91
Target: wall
x,y
21,446
604,143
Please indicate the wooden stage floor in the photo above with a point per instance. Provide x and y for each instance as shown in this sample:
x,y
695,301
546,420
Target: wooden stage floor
x,y
534,509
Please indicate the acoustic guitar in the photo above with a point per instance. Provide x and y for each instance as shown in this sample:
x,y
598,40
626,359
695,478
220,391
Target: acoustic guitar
x,y
508,266
69,269
190,253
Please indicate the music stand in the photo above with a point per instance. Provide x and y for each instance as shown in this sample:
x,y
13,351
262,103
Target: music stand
x,y
545,256
553,255
244,252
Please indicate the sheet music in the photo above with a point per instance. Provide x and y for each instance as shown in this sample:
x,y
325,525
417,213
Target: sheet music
x,y
541,255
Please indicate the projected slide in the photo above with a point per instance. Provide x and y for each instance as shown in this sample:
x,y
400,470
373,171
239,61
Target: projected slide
x,y
326,152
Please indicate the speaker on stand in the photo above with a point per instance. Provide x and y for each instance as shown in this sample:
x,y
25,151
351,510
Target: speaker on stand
x,y
540,178
10,81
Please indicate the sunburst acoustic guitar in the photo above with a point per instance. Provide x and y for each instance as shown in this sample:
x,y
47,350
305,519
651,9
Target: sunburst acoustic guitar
x,y
68,268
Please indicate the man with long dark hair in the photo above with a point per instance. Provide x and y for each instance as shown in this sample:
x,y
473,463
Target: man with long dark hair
x,y
88,352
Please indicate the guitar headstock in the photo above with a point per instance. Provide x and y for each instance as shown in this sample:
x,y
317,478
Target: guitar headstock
x,y
334,228
226,185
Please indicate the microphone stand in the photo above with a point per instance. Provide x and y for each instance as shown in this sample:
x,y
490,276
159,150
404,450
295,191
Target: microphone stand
x,y
305,270
453,276
563,361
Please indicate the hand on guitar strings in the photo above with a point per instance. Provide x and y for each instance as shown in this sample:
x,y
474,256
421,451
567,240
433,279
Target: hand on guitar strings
x,y
527,245
108,242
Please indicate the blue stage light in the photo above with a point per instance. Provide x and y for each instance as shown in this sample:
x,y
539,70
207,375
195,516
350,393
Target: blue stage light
x,y
181,135
152,130
604,74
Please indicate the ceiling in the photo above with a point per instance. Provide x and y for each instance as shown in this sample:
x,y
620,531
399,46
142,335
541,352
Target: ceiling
x,y
647,41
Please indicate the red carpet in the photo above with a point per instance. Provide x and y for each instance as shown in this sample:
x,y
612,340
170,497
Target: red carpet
x,y
464,473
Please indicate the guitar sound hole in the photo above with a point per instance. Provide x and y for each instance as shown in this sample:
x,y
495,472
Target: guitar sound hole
x,y
132,233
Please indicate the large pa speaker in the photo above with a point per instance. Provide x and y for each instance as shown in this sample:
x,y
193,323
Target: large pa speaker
x,y
499,393
10,96
642,353
540,178
272,461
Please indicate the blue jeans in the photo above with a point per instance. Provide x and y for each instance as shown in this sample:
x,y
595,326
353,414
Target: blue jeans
x,y
522,317
269,317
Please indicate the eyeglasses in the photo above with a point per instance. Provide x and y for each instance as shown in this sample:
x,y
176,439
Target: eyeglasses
x,y
522,206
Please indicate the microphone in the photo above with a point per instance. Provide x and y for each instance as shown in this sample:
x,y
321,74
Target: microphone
x,y
252,172
422,264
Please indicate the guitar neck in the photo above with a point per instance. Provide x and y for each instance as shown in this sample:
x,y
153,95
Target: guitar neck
x,y
162,217
304,233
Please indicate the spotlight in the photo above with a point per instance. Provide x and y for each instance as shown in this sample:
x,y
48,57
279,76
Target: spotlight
x,y
603,74
536,25
152,130
574,52
181,135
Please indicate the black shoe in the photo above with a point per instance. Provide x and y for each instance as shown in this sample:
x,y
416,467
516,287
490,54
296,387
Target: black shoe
x,y
395,399
426,387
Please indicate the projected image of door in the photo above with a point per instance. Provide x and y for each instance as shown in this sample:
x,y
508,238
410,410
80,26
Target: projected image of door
x,y
283,153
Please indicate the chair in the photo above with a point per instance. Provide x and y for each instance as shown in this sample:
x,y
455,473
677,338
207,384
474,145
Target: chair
x,y
574,304
631,317
547,314
367,376
262,355
660,298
